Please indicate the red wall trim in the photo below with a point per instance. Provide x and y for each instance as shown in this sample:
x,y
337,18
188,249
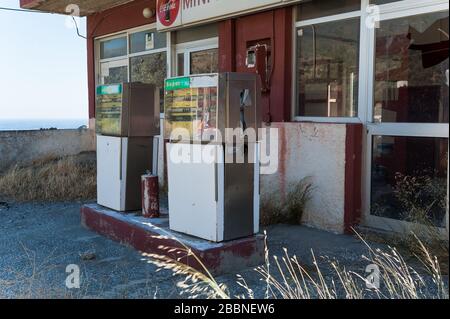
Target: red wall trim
x,y
353,175
110,21
281,99
227,46
29,3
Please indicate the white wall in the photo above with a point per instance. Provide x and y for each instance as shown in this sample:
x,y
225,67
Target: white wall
x,y
318,151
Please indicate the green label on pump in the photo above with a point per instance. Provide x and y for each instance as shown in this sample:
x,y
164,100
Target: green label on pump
x,y
178,84
109,89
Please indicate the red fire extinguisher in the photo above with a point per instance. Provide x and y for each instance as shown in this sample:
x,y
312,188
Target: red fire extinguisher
x,y
150,196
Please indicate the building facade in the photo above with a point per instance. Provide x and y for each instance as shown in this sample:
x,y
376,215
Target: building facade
x,y
357,88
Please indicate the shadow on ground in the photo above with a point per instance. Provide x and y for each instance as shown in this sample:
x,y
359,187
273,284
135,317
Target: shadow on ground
x,y
38,242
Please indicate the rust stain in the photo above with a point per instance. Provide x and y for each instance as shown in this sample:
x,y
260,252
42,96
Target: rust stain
x,y
282,165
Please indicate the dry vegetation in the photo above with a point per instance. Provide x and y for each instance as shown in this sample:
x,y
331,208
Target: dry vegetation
x,y
274,211
52,179
420,197
286,278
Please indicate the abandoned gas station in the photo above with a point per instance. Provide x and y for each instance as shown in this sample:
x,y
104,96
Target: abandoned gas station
x,y
358,91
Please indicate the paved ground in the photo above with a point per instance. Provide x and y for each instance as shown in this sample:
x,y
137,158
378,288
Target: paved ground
x,y
38,242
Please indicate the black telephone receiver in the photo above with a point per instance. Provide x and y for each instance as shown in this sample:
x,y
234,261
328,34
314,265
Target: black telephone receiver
x,y
246,101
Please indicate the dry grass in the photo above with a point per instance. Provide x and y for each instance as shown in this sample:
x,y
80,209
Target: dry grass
x,y
286,278
421,201
409,245
420,197
54,179
273,211
195,283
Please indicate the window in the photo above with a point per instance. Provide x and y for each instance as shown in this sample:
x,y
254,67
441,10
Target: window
x,y
114,72
147,41
407,122
137,56
409,178
328,67
150,69
197,57
327,59
197,50
204,61
323,8
379,2
113,48
180,64
411,69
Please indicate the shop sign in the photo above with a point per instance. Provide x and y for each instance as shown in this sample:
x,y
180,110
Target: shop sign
x,y
109,89
168,13
178,84
173,14
181,83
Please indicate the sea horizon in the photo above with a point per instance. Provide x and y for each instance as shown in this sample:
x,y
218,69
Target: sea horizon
x,y
11,124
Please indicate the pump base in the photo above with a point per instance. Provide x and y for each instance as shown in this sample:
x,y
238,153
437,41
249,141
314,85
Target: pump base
x,y
153,236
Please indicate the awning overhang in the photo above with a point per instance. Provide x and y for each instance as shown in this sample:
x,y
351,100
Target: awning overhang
x,y
87,7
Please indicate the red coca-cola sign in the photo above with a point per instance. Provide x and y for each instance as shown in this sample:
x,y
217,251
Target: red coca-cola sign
x,y
168,11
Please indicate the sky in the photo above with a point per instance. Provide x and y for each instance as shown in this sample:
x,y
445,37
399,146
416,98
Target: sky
x,y
43,72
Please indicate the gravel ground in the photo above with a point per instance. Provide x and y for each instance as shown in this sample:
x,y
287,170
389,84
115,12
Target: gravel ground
x,y
38,242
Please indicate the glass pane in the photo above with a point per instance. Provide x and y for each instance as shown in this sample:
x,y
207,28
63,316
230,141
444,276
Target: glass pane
x,y
180,64
205,61
328,69
409,178
113,74
152,69
193,109
147,40
113,48
382,1
411,70
322,8
197,33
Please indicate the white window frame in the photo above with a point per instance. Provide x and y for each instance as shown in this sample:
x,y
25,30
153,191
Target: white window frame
x,y
395,10
127,33
190,47
362,56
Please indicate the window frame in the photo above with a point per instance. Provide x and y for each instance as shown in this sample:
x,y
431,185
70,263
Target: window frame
x,y
126,58
388,11
375,13
391,11
187,48
326,19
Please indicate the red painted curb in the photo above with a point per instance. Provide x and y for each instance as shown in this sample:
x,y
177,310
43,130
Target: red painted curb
x,y
154,237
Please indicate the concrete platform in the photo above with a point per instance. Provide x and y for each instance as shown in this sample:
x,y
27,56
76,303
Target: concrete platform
x,y
153,236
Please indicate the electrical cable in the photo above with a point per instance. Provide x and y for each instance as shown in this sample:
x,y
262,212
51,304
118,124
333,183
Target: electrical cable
x,y
35,11
78,30
24,10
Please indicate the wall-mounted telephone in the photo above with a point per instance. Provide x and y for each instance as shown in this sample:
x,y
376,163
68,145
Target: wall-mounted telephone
x,y
258,59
